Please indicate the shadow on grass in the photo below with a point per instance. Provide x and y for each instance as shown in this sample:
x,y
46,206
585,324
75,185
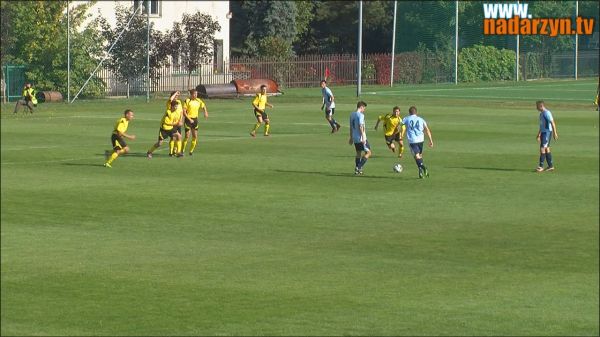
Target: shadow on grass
x,y
83,164
491,169
331,174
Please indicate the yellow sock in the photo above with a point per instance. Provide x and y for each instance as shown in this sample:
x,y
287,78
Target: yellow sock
x,y
194,142
179,146
185,141
171,146
256,126
401,149
112,158
267,127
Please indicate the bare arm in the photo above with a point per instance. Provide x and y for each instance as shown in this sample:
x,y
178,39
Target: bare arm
x,y
554,130
377,124
123,134
363,135
205,112
429,136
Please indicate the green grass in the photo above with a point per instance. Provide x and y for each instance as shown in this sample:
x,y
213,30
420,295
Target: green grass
x,y
276,236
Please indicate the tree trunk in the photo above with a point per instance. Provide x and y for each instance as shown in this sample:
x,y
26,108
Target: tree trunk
x,y
127,88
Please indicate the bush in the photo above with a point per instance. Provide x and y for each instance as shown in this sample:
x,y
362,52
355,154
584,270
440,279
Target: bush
x,y
485,63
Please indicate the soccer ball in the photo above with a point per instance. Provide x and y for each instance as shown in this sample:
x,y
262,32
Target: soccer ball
x,y
398,168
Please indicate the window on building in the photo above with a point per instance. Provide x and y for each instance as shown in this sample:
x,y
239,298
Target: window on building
x,y
154,6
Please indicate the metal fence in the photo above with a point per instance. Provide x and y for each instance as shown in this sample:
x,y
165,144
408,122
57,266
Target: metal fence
x,y
307,70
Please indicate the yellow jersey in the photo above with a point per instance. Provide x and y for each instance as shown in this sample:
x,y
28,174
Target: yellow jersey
x,y
193,106
168,119
121,126
391,123
260,100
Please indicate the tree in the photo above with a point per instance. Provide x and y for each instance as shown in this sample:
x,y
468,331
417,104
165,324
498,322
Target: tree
x,y
34,33
193,39
275,20
128,56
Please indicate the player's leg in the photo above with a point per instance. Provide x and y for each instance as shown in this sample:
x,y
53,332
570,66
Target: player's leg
x,y
187,136
389,141
549,160
29,105
259,121
357,158
363,160
329,119
267,123
118,146
400,148
194,139
335,123
178,142
544,142
162,134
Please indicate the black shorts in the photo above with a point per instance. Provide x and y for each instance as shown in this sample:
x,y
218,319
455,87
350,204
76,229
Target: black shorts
x,y
176,129
163,134
191,125
416,148
117,142
362,146
261,114
390,139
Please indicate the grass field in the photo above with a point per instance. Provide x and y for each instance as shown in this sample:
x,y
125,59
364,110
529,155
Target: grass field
x,y
276,236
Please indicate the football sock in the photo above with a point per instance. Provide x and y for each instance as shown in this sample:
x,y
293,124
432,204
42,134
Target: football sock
x,y
419,162
549,159
267,128
185,142
171,146
356,162
400,148
112,158
194,142
542,159
179,146
332,123
256,126
362,162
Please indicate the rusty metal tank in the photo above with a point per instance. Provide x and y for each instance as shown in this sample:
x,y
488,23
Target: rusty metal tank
x,y
252,86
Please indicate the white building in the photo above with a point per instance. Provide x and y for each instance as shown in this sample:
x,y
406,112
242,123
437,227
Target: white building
x,y
164,13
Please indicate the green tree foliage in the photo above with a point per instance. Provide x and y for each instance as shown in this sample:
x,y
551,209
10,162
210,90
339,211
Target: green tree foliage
x,y
486,63
128,56
275,20
34,33
192,40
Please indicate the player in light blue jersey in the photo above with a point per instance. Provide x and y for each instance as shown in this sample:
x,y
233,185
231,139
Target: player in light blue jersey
x,y
415,126
547,129
358,137
329,106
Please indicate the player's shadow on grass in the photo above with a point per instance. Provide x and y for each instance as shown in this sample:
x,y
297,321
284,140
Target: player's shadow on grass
x,y
83,164
490,169
332,174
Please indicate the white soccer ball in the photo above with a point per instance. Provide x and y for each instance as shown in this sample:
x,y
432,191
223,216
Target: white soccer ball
x,y
398,168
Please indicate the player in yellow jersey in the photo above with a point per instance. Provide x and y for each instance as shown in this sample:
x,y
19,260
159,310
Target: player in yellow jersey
x,y
118,143
393,130
191,107
175,141
167,125
260,103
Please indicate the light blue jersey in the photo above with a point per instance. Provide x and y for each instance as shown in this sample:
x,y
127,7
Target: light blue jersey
x,y
356,120
546,121
414,128
328,96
